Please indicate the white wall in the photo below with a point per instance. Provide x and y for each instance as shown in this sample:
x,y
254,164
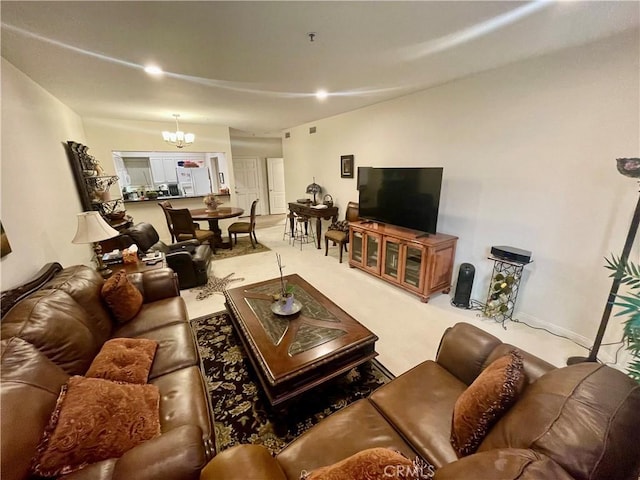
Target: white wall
x,y
39,199
528,152
245,146
106,135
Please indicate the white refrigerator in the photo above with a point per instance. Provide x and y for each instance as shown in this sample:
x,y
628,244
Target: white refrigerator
x,y
194,181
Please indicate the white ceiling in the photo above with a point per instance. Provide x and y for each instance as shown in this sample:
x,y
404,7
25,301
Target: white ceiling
x,y
251,65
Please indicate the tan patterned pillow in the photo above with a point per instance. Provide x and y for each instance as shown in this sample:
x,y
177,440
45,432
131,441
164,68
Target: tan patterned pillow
x,y
122,297
124,360
340,225
371,464
95,420
484,401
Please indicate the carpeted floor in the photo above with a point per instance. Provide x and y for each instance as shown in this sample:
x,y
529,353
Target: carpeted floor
x,y
242,413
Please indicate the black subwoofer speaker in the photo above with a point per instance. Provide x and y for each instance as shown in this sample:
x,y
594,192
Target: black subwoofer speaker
x,y
462,297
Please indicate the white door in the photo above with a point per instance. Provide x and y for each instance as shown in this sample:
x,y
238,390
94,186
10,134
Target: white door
x,y
247,188
275,178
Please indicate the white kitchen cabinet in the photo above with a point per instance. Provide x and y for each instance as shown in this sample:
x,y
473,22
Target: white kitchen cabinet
x,y
163,170
157,170
169,165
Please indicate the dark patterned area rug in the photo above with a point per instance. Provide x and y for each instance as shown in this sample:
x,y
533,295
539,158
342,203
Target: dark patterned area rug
x,y
241,411
243,247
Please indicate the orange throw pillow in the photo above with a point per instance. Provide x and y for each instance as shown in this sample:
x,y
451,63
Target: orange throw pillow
x,y
95,420
122,297
124,360
373,463
482,404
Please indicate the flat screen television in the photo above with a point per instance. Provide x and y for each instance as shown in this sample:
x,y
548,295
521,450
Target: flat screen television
x,y
406,197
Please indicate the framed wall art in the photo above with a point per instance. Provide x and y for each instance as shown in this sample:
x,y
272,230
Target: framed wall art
x,y
346,166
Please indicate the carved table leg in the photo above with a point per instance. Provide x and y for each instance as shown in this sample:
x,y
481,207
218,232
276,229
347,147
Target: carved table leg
x,y
318,231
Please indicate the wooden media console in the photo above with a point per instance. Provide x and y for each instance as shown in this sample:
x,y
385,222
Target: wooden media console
x,y
420,264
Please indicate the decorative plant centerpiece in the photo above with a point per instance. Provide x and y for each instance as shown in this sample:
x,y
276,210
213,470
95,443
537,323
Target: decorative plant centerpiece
x,y
285,296
210,202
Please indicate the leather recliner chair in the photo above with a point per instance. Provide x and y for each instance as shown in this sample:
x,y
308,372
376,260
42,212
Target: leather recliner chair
x,y
189,259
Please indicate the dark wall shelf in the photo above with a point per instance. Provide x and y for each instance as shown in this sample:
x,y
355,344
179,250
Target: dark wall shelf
x,y
91,185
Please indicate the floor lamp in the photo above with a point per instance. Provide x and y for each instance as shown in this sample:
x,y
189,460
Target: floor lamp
x,y
629,167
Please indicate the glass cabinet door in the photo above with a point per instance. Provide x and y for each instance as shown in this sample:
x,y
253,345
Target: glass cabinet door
x,y
355,248
372,252
391,257
411,277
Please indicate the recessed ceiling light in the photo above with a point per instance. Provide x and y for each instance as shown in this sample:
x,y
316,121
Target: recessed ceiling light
x,y
321,94
153,70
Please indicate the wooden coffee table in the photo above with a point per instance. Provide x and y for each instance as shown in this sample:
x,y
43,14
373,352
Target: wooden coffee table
x,y
293,354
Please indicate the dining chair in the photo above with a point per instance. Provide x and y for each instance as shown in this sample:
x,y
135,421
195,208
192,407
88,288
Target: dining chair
x,y
184,227
166,204
245,227
338,232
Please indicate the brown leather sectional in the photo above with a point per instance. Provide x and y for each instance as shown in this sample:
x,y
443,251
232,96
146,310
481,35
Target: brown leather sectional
x,y
579,422
56,331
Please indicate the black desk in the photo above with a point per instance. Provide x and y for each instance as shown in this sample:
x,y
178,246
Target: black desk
x,y
318,213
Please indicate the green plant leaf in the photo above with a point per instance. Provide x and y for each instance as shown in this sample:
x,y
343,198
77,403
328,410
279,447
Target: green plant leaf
x,y
633,370
629,274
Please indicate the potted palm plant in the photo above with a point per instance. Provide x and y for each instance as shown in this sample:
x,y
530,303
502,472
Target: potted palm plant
x,y
628,274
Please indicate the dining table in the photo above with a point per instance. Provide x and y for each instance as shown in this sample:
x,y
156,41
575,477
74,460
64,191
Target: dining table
x,y
213,216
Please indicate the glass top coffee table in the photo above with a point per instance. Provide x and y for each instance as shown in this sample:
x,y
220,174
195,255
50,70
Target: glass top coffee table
x,y
295,353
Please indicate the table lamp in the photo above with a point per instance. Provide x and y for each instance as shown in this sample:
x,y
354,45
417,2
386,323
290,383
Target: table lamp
x,y
314,188
93,229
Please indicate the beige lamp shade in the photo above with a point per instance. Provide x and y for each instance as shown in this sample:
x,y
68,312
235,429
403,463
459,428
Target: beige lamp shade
x,y
92,228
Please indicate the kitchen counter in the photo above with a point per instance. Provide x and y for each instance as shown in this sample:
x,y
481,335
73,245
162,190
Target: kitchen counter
x,y
173,197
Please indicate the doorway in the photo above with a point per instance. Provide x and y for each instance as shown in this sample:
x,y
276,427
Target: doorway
x,y
247,180
275,179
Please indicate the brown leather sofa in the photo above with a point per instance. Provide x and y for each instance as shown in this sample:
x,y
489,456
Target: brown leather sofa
x,y
56,330
579,422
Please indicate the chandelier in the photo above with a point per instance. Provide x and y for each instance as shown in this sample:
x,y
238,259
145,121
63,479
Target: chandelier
x,y
178,138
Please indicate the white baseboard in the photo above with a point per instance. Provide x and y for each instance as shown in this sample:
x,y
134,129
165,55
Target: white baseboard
x,y
579,339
